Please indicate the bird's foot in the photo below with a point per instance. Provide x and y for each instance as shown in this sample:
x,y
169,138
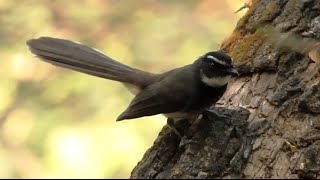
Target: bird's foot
x,y
170,124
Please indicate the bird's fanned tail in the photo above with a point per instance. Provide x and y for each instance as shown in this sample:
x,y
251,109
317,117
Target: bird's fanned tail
x,y
78,57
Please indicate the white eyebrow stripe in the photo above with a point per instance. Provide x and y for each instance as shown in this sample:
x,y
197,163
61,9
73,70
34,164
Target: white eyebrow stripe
x,y
217,60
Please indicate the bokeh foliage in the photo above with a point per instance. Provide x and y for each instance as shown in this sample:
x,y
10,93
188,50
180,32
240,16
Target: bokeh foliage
x,y
57,123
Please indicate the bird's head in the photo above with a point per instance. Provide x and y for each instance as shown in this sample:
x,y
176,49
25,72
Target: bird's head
x,y
216,68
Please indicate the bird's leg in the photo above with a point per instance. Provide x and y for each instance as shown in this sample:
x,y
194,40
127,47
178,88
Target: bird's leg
x,y
191,131
170,123
194,125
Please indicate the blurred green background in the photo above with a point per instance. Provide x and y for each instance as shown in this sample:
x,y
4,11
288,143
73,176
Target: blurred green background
x,y
57,123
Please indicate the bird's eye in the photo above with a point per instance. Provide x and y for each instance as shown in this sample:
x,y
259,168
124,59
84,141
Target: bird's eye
x,y
212,64
207,60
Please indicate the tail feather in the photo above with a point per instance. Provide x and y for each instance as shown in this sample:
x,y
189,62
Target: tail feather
x,y
80,66
78,57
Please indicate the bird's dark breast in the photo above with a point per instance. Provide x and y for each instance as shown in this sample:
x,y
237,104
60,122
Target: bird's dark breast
x,y
206,97
194,95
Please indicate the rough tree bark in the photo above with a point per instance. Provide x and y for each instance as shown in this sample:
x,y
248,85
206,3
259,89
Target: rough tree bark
x,y
268,125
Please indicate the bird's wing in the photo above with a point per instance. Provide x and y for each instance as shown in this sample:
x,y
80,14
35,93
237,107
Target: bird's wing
x,y
167,96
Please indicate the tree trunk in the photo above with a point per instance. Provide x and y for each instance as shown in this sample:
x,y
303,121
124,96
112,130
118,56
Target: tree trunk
x,y
267,125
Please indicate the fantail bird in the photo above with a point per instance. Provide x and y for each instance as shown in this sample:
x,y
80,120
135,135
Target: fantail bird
x,y
180,93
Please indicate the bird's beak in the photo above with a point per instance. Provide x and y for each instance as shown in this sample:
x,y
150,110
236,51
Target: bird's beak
x,y
233,71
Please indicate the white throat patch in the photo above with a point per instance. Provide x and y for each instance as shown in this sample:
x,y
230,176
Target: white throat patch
x,y
215,81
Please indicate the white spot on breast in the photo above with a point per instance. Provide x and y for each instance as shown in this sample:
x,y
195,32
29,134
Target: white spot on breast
x,y
215,81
